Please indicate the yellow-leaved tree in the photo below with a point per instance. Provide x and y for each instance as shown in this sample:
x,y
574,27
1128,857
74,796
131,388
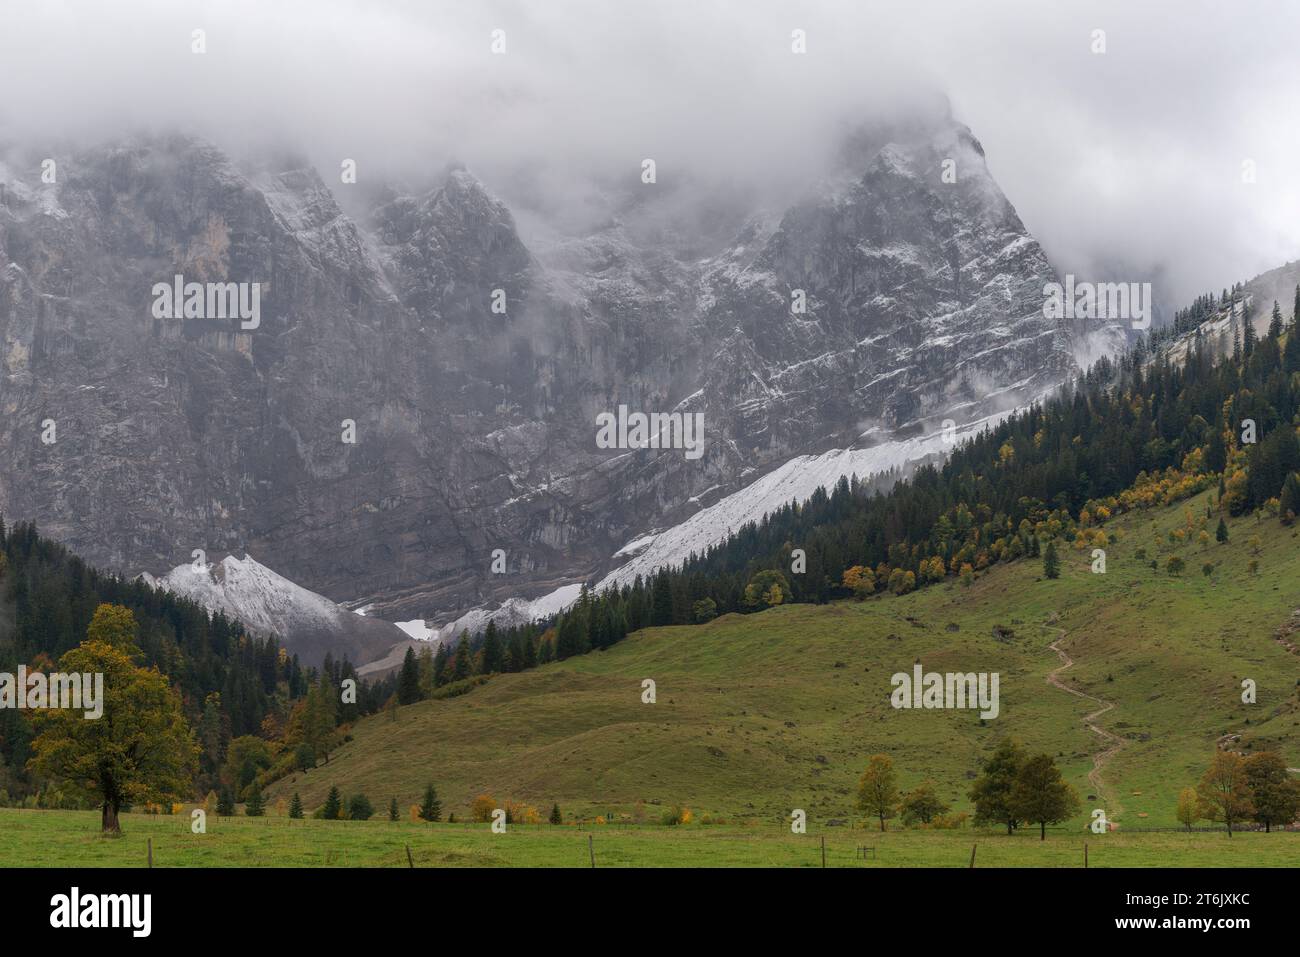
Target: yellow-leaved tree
x,y
140,749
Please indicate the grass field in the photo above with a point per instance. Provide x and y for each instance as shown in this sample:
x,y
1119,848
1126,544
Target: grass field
x,y
760,714
72,839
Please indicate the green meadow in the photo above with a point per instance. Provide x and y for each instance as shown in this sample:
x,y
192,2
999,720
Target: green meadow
x,y
72,839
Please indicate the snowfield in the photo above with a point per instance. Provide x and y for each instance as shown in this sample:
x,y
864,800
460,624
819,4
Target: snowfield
x,y
267,603
796,480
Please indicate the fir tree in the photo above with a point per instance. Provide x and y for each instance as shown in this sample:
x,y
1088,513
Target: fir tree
x,y
225,802
493,658
462,665
663,600
441,665
254,806
333,805
1051,563
1221,533
1291,351
295,806
408,682
431,808
1275,323
556,816
393,814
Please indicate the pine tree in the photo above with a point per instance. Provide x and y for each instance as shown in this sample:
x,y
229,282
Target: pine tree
x,y
1275,323
556,817
431,809
441,665
333,805
393,814
295,806
1291,351
662,613
1221,533
493,658
408,682
1051,563
425,659
254,806
225,803
462,666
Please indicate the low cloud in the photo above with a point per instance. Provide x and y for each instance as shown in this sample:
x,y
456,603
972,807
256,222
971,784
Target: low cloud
x,y
1126,164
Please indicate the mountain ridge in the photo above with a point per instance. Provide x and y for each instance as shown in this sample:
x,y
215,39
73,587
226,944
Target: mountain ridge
x,y
474,428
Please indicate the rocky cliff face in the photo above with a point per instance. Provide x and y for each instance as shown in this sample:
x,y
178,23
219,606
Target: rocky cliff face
x,y
475,428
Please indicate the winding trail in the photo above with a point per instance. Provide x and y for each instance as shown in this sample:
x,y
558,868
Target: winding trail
x,y
1114,742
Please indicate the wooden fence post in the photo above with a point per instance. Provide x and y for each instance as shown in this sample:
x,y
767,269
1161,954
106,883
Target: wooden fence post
x,y
151,852
972,854
823,850
409,860
591,849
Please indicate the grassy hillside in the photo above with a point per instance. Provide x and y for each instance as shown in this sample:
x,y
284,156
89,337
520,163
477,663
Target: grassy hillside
x,y
760,714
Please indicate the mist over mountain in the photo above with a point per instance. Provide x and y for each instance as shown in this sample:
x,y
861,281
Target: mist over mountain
x,y
473,429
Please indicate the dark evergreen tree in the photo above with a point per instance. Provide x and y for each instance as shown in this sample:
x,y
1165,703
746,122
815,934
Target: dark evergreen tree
x,y
1051,563
408,682
441,665
431,807
1275,323
462,665
493,656
360,808
295,806
662,613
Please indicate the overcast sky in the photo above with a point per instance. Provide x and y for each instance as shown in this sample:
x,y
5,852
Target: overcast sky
x,y
1128,161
